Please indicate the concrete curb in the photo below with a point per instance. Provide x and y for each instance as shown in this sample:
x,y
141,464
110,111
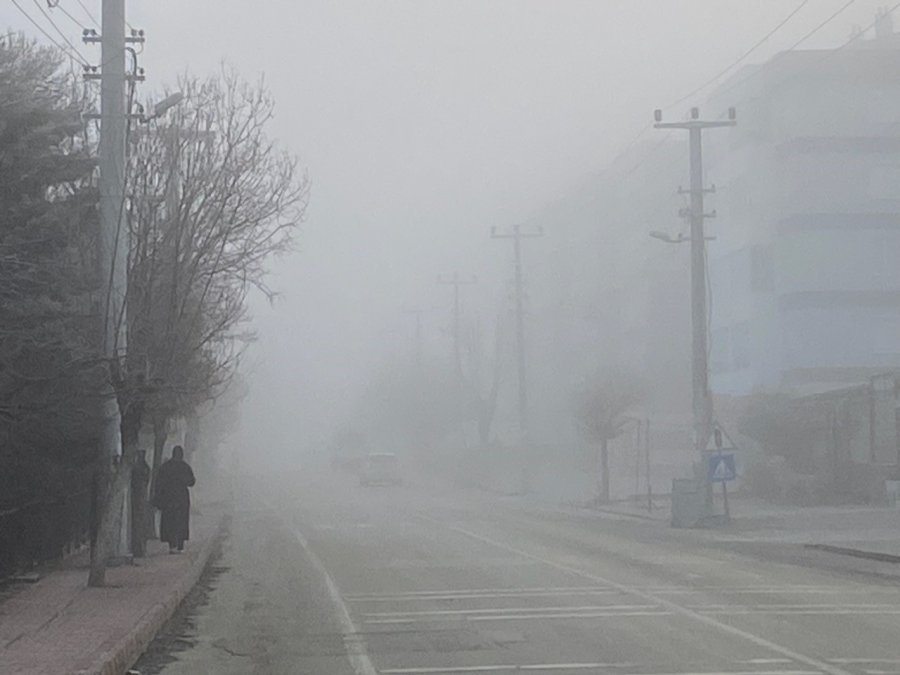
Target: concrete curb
x,y
612,510
856,553
125,652
855,561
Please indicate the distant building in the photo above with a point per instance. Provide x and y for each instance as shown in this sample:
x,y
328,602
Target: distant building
x,y
804,270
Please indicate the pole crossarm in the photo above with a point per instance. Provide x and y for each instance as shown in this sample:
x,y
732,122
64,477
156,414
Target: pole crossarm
x,y
696,124
517,233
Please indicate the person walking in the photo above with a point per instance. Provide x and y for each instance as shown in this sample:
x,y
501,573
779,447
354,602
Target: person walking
x,y
173,499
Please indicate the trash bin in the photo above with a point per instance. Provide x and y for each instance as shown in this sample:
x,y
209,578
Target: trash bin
x,y
688,502
892,490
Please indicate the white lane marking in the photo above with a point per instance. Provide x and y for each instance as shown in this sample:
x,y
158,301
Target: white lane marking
x,y
573,666
566,666
488,669
765,662
855,661
444,591
328,527
477,596
802,612
460,669
649,597
799,605
518,617
513,610
787,590
355,648
468,616
465,593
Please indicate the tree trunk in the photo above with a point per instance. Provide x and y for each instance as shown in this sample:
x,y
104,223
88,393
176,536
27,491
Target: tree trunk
x,y
160,434
191,438
114,482
604,471
132,419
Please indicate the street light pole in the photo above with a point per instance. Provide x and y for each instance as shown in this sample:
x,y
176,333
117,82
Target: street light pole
x,y
701,399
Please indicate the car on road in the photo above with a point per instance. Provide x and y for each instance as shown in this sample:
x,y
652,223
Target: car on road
x,y
380,468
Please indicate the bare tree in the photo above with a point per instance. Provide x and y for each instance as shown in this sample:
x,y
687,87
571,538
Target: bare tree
x,y
600,408
211,200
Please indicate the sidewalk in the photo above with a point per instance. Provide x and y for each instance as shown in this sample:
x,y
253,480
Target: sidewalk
x,y
856,538
59,626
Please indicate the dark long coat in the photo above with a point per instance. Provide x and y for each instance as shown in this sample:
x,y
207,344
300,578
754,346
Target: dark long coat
x,y
173,499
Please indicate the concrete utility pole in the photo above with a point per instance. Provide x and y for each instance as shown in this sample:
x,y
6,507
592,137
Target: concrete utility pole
x,y
417,313
517,235
113,237
113,256
701,399
456,282
113,269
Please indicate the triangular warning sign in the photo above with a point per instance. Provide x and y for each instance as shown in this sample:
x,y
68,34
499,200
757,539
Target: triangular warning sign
x,y
721,472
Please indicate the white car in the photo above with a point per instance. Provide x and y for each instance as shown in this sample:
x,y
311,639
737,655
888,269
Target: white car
x,y
381,468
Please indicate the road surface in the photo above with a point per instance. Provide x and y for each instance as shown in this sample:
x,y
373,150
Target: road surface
x,y
322,576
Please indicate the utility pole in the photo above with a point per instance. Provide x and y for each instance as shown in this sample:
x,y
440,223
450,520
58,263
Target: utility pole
x,y
517,235
113,255
113,268
701,399
417,313
456,281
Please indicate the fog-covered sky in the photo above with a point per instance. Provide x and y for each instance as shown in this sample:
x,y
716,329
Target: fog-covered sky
x,y
422,124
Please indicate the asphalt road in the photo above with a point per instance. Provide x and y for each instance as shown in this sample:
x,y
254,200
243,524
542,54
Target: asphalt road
x,y
325,577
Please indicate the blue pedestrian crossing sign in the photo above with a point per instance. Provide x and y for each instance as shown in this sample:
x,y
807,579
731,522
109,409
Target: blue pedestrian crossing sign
x,y
720,467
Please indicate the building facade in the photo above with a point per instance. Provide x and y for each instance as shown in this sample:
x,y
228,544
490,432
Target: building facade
x,y
804,278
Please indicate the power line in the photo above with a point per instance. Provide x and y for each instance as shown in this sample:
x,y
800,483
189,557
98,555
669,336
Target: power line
x,y
88,13
56,5
58,29
732,86
822,25
77,55
828,55
703,86
759,43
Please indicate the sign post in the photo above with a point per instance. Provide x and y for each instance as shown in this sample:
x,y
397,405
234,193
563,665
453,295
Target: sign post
x,y
720,468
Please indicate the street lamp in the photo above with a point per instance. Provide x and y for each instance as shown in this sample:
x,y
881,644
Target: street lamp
x,y
160,108
679,239
166,104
